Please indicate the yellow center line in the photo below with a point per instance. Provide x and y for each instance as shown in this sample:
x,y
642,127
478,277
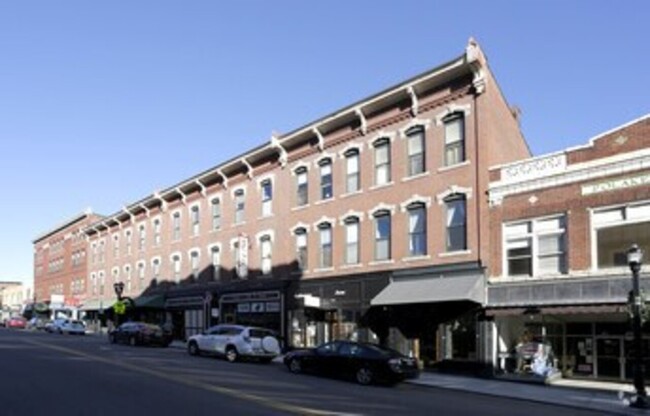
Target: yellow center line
x,y
238,394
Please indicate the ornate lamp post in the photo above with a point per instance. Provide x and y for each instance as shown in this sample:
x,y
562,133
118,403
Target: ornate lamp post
x,y
634,258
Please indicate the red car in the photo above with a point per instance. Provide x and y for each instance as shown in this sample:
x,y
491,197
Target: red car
x,y
17,322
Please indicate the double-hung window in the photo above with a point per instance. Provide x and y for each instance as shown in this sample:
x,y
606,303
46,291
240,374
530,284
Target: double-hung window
x,y
454,139
382,235
267,198
239,206
216,213
417,229
535,247
265,251
176,226
302,189
616,229
352,176
456,223
326,184
116,246
157,232
195,217
416,150
141,237
141,275
352,240
382,161
216,262
301,248
176,266
155,265
325,230
195,261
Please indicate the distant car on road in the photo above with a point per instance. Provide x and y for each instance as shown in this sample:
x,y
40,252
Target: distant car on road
x,y
234,342
363,362
16,322
140,333
55,325
36,323
72,327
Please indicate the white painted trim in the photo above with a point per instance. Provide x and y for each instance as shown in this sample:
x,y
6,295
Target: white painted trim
x,y
323,219
381,207
416,258
193,250
142,263
351,146
415,177
465,162
263,233
452,190
268,176
176,254
215,195
332,156
127,268
293,229
350,214
383,185
382,134
451,109
299,165
455,253
156,217
416,199
115,271
416,122
237,189
154,258
381,262
197,204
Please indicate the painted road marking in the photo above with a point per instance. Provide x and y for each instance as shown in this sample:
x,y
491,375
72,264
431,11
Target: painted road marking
x,y
238,394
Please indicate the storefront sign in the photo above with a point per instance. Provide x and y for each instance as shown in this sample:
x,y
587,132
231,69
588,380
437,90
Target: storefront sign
x,y
272,306
184,302
257,307
243,308
250,296
616,184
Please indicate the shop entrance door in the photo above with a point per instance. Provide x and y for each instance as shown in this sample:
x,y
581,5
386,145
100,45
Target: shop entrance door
x,y
610,361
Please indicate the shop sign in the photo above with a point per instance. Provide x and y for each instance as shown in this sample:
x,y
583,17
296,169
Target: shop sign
x,y
272,306
616,184
257,307
243,308
214,312
250,296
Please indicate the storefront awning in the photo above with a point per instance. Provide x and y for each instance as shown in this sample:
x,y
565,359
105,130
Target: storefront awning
x,y
558,310
432,290
150,301
97,304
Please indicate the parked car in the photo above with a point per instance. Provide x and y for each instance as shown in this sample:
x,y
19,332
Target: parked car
x,y
55,325
37,323
16,322
140,333
72,327
234,342
363,362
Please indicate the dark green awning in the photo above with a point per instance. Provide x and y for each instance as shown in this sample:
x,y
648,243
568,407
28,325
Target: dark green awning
x,y
150,301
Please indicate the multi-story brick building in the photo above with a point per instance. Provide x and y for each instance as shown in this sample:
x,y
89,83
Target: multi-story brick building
x,y
561,226
60,267
352,219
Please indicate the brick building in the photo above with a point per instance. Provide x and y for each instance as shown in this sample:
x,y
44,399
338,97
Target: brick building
x,y
60,267
351,220
561,226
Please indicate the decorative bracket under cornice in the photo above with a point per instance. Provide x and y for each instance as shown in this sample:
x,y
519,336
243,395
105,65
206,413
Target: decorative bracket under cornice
x,y
147,210
249,168
414,101
163,203
224,178
476,61
203,189
183,196
321,139
364,122
131,216
275,143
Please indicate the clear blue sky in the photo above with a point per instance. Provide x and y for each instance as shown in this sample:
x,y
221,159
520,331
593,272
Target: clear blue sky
x,y
102,103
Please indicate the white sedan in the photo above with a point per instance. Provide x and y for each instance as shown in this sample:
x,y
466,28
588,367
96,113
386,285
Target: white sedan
x,y
72,327
234,342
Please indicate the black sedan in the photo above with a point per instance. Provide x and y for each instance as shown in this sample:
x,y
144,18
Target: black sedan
x,y
365,363
140,333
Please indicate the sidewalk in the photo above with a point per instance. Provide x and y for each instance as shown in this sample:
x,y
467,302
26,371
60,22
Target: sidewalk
x,y
580,394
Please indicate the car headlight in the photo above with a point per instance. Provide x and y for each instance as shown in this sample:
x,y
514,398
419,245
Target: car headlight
x,y
395,365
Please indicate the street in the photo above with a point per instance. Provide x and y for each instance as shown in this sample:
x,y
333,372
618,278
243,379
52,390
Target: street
x,y
51,374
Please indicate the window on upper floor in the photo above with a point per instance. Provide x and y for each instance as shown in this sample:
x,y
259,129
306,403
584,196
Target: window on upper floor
x,y
195,217
215,254
267,197
301,248
326,184
216,213
176,266
535,247
176,226
382,235
116,246
325,230
155,265
142,237
195,262
454,139
266,254
141,271
417,229
239,206
456,224
302,188
382,161
416,150
157,234
352,175
127,272
616,229
101,283
129,242
352,240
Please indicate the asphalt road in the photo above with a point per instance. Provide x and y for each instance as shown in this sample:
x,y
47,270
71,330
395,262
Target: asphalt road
x,y
51,374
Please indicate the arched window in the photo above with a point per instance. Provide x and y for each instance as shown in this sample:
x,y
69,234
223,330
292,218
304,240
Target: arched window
x,y
352,240
382,161
325,230
301,248
266,252
352,175
326,183
416,150
456,223
216,213
454,138
382,235
417,229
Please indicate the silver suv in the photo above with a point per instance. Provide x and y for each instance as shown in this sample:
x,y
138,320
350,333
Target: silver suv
x,y
235,342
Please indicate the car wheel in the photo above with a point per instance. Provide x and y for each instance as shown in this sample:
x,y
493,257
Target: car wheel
x,y
295,366
364,376
231,354
60,331
193,348
132,341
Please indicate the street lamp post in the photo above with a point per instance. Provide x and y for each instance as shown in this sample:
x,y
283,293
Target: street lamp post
x,y
634,258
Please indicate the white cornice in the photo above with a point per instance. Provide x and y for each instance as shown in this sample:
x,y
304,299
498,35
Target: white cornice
x,y
300,225
381,207
263,233
350,214
416,199
452,190
451,109
579,172
425,123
